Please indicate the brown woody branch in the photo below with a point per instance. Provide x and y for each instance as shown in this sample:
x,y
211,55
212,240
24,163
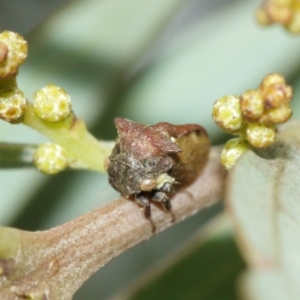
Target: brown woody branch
x,y
53,264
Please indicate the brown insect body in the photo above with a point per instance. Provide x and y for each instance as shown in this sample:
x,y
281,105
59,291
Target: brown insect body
x,y
153,161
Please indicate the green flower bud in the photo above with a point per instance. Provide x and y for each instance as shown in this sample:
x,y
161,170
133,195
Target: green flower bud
x,y
13,52
294,24
261,135
232,150
227,113
279,115
50,158
52,103
12,104
252,105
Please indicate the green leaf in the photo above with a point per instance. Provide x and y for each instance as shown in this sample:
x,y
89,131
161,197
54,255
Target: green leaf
x,y
264,200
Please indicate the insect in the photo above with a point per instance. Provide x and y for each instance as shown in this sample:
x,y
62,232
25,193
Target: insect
x,y
152,162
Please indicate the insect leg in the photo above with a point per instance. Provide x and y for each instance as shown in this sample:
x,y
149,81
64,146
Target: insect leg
x,y
144,201
163,199
167,187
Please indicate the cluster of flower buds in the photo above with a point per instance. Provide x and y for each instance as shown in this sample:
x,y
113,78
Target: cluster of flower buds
x,y
253,116
285,12
51,104
13,52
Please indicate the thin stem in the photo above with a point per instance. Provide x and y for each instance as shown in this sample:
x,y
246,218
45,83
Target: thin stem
x,y
83,150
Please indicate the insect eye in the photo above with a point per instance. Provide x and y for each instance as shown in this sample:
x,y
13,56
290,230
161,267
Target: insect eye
x,y
148,184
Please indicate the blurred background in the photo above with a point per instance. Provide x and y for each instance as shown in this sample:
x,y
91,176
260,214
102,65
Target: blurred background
x,y
146,60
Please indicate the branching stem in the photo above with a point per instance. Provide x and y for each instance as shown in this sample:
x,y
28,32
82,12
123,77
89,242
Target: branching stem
x,y
83,150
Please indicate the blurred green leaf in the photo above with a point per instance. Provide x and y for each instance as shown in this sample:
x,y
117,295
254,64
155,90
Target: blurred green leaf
x,y
262,285
115,31
16,155
205,63
207,269
264,199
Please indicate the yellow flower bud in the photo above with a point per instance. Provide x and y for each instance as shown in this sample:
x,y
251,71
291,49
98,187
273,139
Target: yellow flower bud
x,y
270,80
262,17
12,104
14,54
52,103
227,113
279,115
232,150
277,95
275,91
261,135
279,13
252,105
3,52
50,158
283,2
294,25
